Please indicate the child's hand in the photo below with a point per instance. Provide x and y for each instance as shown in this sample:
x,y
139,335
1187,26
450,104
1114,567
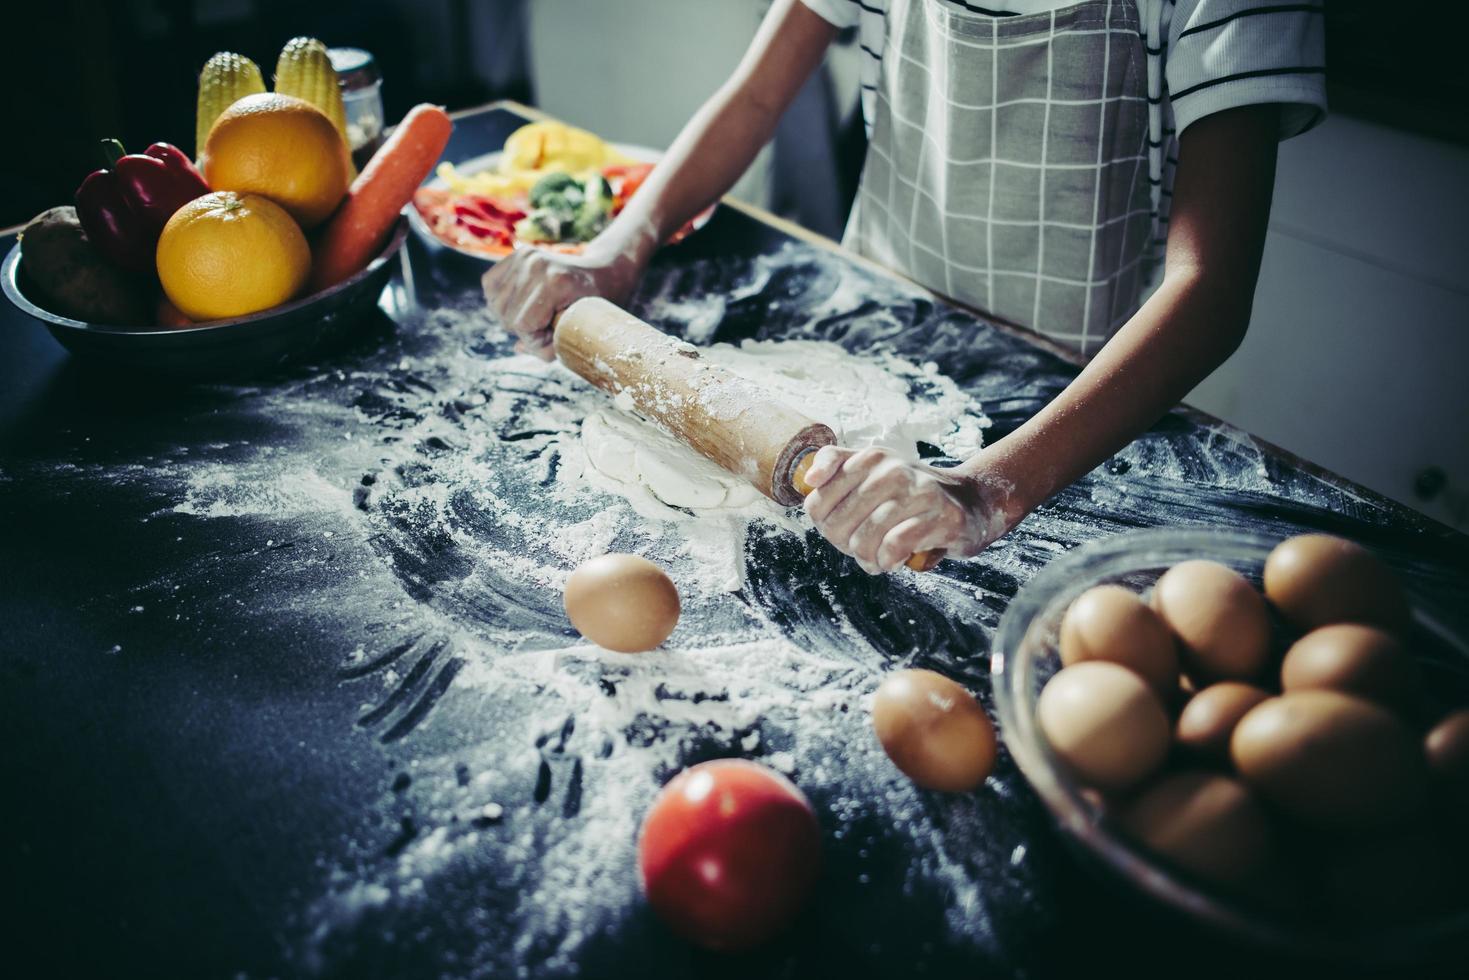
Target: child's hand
x,y
880,509
529,288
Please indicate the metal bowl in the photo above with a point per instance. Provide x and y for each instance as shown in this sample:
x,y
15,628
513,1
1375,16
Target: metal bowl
x,y
221,348
1024,658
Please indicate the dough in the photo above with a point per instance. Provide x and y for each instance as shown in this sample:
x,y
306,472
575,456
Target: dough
x,y
632,454
873,400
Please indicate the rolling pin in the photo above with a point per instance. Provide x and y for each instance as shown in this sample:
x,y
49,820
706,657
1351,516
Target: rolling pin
x,y
722,416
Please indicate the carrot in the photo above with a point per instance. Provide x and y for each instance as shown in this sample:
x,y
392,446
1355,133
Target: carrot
x,y
357,231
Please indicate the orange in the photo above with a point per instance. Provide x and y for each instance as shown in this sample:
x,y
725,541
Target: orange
x,y
282,147
227,254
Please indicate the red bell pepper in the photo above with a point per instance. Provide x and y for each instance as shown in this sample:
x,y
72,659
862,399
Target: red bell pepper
x,y
124,209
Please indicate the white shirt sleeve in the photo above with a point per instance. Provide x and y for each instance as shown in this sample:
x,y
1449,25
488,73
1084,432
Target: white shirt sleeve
x,y
838,13
1223,54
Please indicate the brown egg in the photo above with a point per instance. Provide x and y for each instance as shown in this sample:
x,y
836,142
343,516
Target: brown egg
x,y
1113,623
1331,760
1221,622
622,602
1316,579
1447,748
1207,824
1208,720
1354,659
934,730
1104,723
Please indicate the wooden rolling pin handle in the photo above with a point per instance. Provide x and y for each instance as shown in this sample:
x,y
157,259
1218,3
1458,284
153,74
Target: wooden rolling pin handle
x,y
802,446
919,561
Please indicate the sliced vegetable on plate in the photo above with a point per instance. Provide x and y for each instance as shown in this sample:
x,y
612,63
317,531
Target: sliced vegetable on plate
x,y
551,186
468,222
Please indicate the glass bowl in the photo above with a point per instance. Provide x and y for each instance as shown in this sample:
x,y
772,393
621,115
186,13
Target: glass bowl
x,y
1024,657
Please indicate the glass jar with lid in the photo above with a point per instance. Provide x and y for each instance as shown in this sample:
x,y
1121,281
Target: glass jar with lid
x,y
362,98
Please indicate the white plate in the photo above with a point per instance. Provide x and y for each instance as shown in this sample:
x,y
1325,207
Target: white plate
x,y
491,161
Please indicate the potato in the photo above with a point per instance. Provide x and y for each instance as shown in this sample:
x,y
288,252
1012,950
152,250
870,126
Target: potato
x,y
71,278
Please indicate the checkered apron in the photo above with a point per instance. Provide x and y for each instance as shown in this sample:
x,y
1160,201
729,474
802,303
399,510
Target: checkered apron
x,y
1007,167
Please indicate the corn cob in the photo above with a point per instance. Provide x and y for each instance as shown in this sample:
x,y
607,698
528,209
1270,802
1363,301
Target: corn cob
x,y
304,69
227,77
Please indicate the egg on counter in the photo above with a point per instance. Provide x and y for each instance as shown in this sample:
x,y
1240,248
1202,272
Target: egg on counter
x,y
1208,720
934,730
1206,823
1112,623
1104,723
1221,622
1317,579
1354,659
1331,760
622,602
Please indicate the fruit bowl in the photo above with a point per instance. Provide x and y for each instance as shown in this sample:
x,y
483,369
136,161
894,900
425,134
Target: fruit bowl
x,y
1024,657
220,348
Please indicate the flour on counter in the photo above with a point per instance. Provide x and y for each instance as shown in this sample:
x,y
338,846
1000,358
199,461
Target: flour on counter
x,y
438,429
244,490
596,716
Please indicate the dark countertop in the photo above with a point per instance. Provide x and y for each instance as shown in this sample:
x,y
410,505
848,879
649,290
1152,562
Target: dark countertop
x,y
269,650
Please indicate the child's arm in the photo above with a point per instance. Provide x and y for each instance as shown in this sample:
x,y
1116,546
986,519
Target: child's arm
x,y
529,288
880,510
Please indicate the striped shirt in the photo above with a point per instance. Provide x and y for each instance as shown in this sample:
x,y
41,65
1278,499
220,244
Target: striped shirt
x,y
1204,56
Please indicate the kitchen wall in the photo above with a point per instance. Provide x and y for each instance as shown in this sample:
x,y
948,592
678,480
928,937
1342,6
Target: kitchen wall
x,y
634,71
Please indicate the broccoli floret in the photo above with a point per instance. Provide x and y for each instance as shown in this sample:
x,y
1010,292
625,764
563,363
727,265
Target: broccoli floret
x,y
566,209
558,191
539,226
595,210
